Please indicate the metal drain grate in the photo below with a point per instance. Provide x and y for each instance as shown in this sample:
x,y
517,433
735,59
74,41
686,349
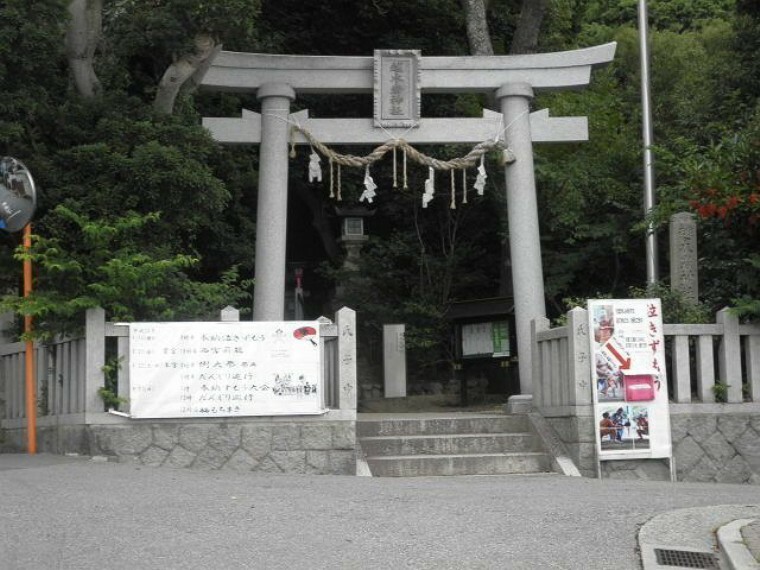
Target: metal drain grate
x,y
686,559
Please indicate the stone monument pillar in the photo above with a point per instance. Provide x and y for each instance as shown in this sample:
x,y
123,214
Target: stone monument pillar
x,y
394,361
272,214
683,256
522,215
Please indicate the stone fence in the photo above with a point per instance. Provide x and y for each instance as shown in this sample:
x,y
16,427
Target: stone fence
x,y
714,376
72,417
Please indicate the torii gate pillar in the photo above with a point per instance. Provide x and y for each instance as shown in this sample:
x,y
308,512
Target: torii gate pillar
x,y
522,214
272,213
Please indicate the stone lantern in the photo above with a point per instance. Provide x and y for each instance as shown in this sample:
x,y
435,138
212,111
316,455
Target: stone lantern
x,y
352,233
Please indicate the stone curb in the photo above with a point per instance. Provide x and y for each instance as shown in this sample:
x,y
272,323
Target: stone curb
x,y
733,547
751,536
362,467
561,462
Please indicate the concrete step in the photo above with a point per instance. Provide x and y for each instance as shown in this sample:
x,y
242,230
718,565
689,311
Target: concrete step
x,y
482,464
459,444
448,444
367,426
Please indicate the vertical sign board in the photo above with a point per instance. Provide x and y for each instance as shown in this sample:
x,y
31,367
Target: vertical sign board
x,y
212,369
629,378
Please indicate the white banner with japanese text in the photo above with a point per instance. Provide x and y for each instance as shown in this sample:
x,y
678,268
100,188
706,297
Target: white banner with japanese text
x,y
218,369
629,378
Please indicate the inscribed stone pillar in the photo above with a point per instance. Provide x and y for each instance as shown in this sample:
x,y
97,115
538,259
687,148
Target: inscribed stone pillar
x,y
683,256
229,315
271,217
345,320
522,215
394,361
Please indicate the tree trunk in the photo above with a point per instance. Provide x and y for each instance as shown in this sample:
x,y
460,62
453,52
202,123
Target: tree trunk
x,y
185,73
532,15
478,35
82,39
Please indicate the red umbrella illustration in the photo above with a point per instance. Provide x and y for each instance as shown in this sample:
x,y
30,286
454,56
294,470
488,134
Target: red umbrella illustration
x,y
307,333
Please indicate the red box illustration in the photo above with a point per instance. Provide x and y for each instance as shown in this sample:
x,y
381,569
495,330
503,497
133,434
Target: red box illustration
x,y
639,387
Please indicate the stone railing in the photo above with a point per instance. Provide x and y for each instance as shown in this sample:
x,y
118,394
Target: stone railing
x,y
712,362
60,369
561,364
714,378
71,415
708,362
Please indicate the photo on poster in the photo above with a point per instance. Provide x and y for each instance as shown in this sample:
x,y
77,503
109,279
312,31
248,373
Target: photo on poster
x,y
604,323
609,379
623,427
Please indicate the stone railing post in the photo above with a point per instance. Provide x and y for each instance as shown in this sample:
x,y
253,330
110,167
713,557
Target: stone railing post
x,y
328,330
229,315
752,358
345,319
729,355
578,351
272,214
6,319
95,358
537,369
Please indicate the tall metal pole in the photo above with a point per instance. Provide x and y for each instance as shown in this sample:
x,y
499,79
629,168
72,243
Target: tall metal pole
x,y
31,392
646,112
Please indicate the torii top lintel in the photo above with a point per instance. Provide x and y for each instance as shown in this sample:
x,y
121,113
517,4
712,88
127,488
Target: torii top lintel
x,y
236,71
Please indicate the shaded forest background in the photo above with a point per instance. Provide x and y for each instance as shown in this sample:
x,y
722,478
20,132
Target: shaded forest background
x,y
142,213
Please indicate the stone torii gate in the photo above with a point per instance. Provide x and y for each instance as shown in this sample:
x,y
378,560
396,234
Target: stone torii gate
x,y
397,78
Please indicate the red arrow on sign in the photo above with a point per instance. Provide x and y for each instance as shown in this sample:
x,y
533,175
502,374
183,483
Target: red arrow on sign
x,y
620,356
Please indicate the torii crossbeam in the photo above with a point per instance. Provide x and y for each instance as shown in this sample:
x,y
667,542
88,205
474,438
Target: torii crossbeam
x,y
397,78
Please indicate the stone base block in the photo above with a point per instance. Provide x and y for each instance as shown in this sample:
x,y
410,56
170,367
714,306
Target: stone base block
x,y
312,447
637,470
519,404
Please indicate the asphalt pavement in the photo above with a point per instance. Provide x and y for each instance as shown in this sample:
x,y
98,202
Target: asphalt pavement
x,y
76,513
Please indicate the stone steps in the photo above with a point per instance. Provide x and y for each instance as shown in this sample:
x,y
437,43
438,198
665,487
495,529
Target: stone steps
x,y
445,444
438,465
432,424
427,445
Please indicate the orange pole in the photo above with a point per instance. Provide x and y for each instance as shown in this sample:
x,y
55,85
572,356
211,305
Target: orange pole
x,y
31,393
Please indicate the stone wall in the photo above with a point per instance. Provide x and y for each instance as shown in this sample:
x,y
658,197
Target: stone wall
x,y
711,443
319,447
720,444
637,470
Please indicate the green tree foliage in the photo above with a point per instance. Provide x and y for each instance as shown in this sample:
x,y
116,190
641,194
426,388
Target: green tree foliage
x,y
717,176
128,199
155,205
141,39
32,79
703,116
